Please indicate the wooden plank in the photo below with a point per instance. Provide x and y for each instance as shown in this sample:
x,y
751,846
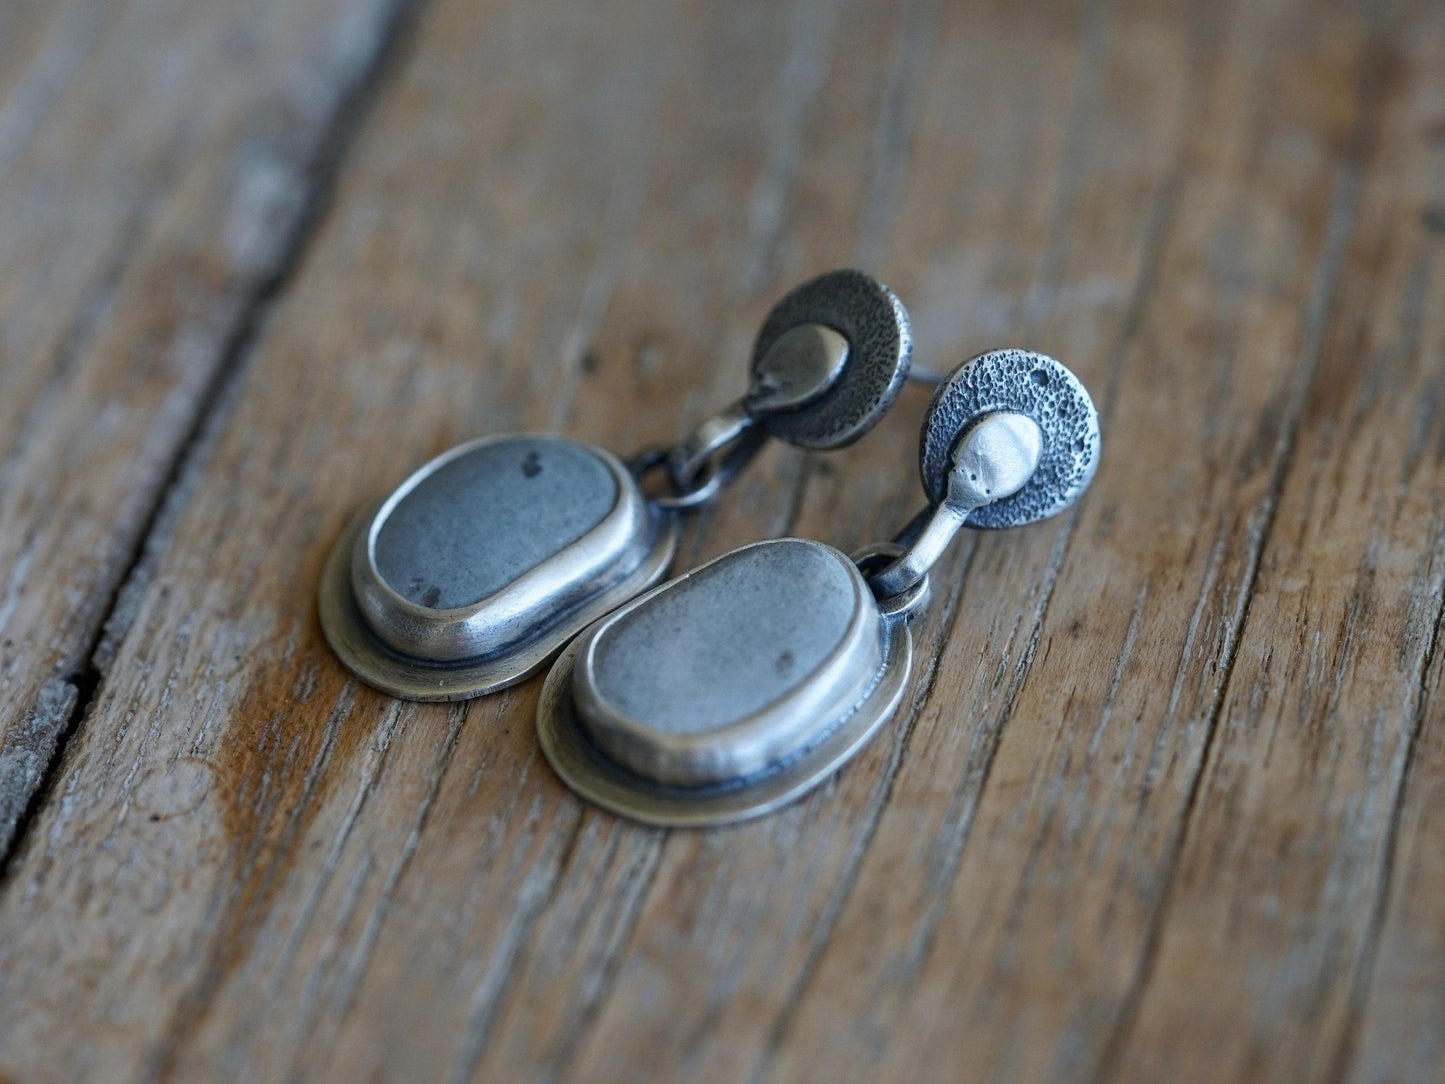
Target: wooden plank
x,y
157,161
1393,1030
252,865
24,24
986,929
1287,866
992,196
1396,1005
370,367
1023,943
759,910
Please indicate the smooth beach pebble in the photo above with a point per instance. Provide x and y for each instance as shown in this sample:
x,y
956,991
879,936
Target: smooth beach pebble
x,y
701,680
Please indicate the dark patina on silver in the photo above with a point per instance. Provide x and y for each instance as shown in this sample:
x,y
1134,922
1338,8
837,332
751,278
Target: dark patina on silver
x,y
865,314
1010,438
830,360
736,688
483,563
1021,382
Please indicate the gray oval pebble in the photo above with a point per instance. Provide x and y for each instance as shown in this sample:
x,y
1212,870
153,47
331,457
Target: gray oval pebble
x,y
476,522
731,669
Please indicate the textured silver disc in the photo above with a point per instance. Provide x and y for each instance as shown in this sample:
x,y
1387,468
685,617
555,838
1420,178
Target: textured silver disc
x,y
1027,383
880,346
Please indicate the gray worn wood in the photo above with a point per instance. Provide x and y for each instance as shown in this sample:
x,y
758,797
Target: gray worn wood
x,y
1164,799
158,162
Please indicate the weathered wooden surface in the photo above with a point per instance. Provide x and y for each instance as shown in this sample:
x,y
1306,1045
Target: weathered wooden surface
x,y
158,161
1166,800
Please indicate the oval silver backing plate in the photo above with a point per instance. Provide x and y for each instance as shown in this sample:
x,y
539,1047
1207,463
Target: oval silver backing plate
x,y
592,776
377,665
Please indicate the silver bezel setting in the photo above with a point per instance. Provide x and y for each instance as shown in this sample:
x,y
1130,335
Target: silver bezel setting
x,y
527,636
594,777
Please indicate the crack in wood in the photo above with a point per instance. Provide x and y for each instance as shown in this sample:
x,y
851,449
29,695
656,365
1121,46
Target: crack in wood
x,y
208,416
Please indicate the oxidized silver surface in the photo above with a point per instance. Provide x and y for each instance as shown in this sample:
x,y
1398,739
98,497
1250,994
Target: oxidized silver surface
x,y
483,563
1026,383
995,457
905,603
728,691
880,346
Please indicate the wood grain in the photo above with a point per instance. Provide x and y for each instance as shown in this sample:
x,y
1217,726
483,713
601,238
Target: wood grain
x,y
158,163
1164,800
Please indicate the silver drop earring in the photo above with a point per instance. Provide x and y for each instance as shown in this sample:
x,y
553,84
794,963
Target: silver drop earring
x,y
741,685
476,570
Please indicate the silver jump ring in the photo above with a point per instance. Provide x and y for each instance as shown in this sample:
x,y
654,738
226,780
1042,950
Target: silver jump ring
x,y
872,560
691,458
704,486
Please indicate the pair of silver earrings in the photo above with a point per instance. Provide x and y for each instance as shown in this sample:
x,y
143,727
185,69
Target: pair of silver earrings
x,y
740,685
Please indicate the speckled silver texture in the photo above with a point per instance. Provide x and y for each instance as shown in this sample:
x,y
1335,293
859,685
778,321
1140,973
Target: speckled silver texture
x,y
880,347
779,712
732,670
1031,384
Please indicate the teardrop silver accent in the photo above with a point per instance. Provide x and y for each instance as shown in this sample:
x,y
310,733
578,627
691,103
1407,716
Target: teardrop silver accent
x,y
801,366
1020,382
857,310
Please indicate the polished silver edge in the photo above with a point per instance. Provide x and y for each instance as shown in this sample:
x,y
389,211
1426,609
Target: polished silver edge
x,y
590,775
364,654
762,738
494,624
